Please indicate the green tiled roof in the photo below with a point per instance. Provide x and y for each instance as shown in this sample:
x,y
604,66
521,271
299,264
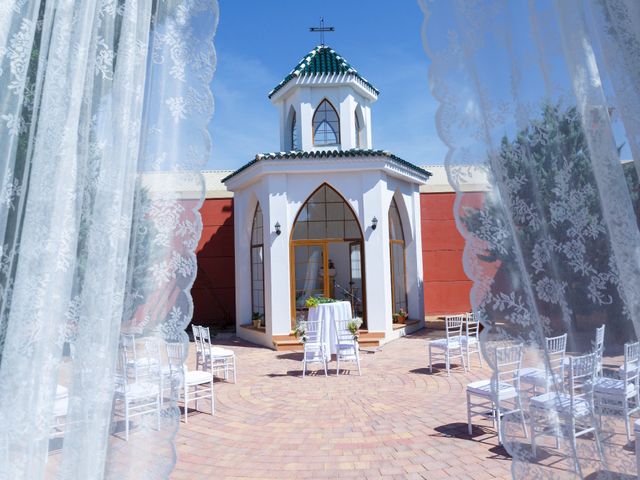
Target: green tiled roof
x,y
322,59
354,152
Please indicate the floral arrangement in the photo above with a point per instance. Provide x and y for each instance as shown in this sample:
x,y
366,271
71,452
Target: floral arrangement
x,y
400,316
301,331
315,301
353,326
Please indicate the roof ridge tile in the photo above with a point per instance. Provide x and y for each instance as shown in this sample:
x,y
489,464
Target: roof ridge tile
x,y
322,59
353,152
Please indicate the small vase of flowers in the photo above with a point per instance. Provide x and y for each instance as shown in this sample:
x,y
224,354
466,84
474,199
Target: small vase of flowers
x,y
301,331
354,327
400,316
256,319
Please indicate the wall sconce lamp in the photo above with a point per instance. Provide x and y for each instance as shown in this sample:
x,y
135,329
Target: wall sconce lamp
x,y
277,227
374,223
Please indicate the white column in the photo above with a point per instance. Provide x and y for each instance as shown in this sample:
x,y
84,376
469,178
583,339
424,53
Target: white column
x,y
276,268
306,119
413,252
377,266
241,209
368,127
284,113
347,130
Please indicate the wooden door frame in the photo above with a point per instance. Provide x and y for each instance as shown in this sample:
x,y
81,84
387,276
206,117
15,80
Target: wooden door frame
x,y
324,243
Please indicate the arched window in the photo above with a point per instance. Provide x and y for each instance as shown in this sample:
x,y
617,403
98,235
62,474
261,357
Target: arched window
x,y
326,125
257,265
295,138
327,254
326,215
398,267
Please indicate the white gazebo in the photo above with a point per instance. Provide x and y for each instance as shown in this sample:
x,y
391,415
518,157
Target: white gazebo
x,y
328,215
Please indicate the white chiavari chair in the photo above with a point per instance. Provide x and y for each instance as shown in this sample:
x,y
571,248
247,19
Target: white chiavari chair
x,y
346,344
621,397
314,345
450,346
188,385
568,414
498,397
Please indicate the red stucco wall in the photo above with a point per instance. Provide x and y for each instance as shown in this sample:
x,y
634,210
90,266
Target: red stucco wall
x,y
214,289
446,287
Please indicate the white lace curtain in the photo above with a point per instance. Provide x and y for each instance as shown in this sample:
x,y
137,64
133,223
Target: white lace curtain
x,y
540,110
104,106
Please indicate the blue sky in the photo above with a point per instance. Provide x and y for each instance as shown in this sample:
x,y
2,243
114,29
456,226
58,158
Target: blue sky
x,y
258,42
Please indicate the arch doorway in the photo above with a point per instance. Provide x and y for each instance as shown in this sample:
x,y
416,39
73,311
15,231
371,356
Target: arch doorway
x,y
326,256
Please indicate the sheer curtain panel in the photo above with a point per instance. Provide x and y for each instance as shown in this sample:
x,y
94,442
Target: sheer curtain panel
x,y
539,106
104,106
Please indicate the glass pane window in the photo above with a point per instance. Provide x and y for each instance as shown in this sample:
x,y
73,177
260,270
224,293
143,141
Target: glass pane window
x,y
257,263
257,285
356,281
256,229
295,137
326,215
335,211
399,285
396,243
317,229
326,125
335,229
308,262
395,224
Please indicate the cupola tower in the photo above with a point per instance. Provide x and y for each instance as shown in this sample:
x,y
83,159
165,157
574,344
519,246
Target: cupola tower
x,y
325,104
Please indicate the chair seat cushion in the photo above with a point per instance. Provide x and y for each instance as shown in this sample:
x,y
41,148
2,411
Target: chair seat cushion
x,y
561,402
139,390
442,343
483,389
469,340
142,362
61,392
538,377
219,352
614,387
196,377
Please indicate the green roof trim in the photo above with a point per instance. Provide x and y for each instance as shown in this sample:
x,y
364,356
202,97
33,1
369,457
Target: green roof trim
x,y
321,60
355,152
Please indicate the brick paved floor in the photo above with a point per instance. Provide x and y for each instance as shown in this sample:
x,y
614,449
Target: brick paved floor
x,y
395,421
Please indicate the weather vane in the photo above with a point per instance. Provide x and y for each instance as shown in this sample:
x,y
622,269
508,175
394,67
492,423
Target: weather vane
x,y
322,29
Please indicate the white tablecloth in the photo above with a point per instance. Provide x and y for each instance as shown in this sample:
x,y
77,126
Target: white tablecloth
x,y
327,313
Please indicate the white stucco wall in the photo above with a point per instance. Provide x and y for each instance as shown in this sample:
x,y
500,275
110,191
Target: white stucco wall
x,y
305,98
282,191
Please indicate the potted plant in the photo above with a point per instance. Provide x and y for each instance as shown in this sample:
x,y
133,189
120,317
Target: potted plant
x,y
400,316
256,319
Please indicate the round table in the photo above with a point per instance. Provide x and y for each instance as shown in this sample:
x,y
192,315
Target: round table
x,y
328,313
